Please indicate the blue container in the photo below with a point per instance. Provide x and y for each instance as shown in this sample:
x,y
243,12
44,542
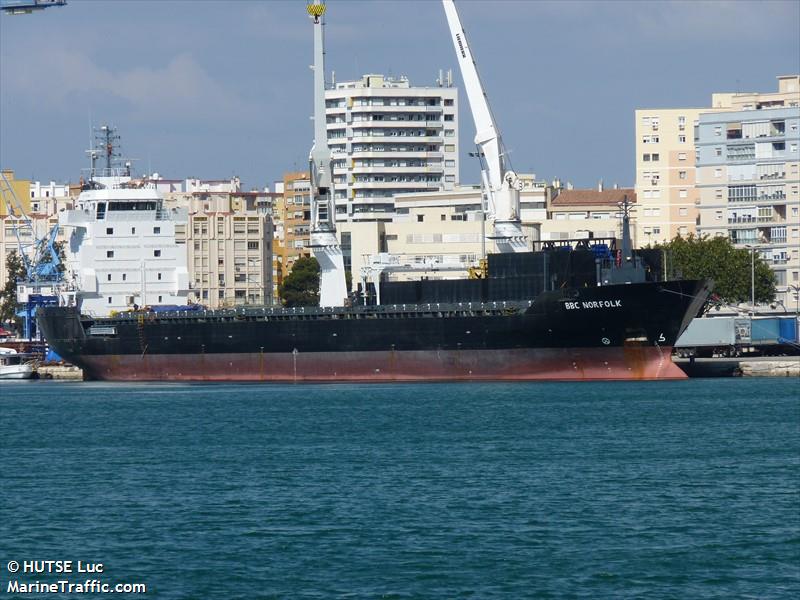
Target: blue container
x,y
765,330
788,330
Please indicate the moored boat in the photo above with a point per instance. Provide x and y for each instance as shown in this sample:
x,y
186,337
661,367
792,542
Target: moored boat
x,y
14,365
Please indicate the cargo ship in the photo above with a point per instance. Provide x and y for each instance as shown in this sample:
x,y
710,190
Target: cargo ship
x,y
540,315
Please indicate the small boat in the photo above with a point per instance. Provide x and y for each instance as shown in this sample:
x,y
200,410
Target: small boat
x,y
14,365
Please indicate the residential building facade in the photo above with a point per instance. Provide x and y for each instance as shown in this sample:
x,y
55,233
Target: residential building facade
x,y
389,138
584,214
748,175
665,175
292,215
229,247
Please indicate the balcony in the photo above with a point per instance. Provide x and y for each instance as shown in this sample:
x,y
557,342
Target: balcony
x,y
384,108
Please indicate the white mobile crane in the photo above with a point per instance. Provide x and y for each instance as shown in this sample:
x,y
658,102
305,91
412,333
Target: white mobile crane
x,y
324,244
500,182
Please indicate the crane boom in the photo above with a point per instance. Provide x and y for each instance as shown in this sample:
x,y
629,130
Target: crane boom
x,y
501,181
324,244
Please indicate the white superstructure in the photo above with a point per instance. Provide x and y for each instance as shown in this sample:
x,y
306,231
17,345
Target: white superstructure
x,y
121,246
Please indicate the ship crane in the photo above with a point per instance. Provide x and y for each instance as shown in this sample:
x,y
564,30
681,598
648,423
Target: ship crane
x,y
42,279
324,244
501,183
38,255
29,6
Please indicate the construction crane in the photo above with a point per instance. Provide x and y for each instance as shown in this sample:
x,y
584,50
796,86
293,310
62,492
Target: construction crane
x,y
324,244
501,183
26,7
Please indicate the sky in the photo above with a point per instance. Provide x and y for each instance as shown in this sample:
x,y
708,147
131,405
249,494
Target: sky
x,y
213,88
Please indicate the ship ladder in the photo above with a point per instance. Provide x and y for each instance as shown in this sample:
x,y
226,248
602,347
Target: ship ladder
x,y
140,328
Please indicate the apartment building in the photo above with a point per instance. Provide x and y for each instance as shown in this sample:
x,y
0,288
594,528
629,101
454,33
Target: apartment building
x,y
748,176
583,214
292,217
665,174
389,138
229,246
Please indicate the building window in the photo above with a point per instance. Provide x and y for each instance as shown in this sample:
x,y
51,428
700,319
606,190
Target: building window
x,y
655,157
683,194
156,230
109,254
681,139
682,156
681,174
109,299
683,212
646,157
449,163
656,230
109,231
108,277
448,102
448,117
160,298
718,130
156,253
718,151
159,276
717,173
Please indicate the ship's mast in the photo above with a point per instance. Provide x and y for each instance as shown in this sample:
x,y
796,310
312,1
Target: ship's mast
x,y
501,182
108,138
324,245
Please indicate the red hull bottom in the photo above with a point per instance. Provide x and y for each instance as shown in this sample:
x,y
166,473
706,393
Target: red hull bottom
x,y
558,364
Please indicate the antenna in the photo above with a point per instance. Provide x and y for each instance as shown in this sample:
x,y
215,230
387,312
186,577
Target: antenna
x,y
108,138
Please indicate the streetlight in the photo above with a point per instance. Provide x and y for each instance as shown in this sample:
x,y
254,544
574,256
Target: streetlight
x,y
796,290
752,278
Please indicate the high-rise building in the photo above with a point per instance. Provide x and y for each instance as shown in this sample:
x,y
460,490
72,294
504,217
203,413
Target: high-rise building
x,y
747,170
665,174
389,138
748,175
292,215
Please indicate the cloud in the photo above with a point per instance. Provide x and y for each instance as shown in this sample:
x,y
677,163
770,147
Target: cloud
x,y
181,88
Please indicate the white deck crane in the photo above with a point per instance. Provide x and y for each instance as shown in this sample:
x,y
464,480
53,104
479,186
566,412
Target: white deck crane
x,y
500,182
324,245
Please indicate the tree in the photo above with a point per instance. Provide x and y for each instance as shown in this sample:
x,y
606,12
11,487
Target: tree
x,y
716,258
8,293
301,286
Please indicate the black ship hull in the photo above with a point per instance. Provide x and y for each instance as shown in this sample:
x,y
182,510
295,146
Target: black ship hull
x,y
612,332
